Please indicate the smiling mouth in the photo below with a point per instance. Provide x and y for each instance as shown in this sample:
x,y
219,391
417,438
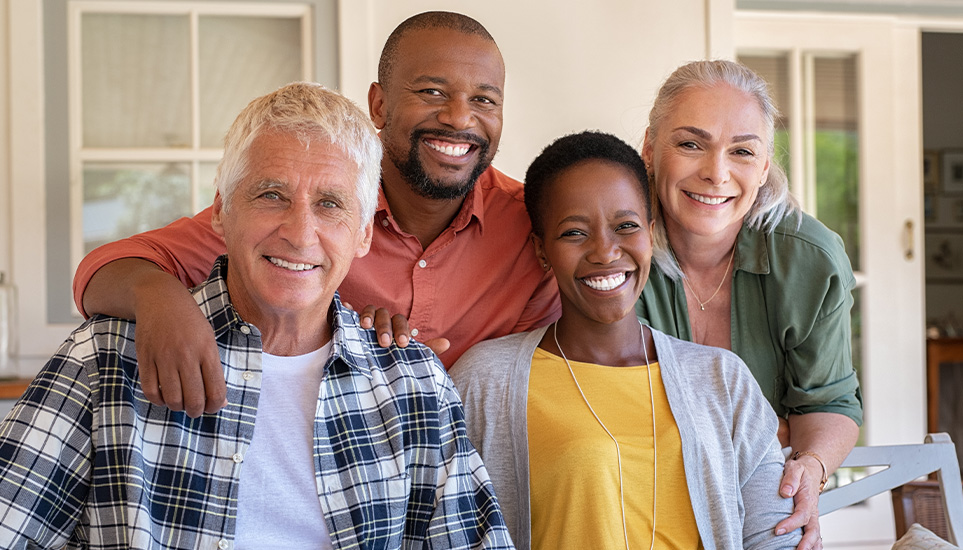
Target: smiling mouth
x,y
284,264
455,150
711,201
606,283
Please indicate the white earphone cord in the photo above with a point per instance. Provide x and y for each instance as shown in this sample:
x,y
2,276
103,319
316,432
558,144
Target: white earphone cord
x,y
618,452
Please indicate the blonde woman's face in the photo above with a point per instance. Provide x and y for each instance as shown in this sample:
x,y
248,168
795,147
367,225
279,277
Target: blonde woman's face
x,y
709,160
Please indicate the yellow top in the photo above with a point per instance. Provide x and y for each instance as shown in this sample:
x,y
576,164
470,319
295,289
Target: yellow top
x,y
574,472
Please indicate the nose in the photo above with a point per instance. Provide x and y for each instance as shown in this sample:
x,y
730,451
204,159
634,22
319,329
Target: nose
x,y
715,168
299,226
457,114
604,250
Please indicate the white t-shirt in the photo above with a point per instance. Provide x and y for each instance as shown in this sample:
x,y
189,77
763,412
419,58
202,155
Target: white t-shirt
x,y
278,504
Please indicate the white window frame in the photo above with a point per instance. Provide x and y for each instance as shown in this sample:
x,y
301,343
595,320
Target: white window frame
x,y
193,155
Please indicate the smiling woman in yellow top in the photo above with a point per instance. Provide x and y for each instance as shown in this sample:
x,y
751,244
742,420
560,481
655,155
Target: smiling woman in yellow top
x,y
597,431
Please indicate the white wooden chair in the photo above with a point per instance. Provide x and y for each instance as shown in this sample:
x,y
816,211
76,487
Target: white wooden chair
x,y
904,463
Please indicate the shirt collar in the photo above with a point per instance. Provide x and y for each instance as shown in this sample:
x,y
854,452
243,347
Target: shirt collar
x,y
472,207
752,252
349,340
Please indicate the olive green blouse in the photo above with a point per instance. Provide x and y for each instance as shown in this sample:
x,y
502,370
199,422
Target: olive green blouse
x,y
791,296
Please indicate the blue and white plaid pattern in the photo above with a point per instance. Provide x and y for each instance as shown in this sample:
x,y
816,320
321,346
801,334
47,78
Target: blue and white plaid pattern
x,y
87,462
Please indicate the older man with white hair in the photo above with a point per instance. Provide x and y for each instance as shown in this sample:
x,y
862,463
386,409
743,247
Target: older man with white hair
x,y
327,441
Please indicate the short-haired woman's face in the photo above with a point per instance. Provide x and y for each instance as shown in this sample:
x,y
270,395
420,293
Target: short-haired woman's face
x,y
597,239
709,160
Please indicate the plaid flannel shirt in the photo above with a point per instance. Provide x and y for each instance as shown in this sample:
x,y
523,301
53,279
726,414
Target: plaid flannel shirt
x,y
87,462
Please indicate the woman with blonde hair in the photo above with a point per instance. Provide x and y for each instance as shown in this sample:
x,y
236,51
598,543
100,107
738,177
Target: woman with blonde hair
x,y
738,266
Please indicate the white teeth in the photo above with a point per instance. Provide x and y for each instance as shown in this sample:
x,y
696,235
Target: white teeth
x,y
605,283
288,265
707,200
450,150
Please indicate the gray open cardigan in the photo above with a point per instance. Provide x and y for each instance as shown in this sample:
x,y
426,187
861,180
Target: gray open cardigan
x,y
733,462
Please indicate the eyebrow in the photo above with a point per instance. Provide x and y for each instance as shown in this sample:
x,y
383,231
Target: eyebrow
x,y
706,135
441,81
618,214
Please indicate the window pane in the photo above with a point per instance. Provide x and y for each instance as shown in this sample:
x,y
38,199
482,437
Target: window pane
x,y
242,58
122,199
775,71
837,149
136,80
205,188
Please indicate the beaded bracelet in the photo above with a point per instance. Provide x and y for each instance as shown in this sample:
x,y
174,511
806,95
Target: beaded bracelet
x,y
822,483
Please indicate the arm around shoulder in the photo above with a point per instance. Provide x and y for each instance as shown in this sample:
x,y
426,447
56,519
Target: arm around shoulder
x,y
186,249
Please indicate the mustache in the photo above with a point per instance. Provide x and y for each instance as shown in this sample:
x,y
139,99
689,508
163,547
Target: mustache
x,y
464,137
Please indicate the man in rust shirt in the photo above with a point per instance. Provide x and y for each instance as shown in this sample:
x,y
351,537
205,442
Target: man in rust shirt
x,y
450,252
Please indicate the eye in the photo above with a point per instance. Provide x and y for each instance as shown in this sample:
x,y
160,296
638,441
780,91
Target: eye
x,y
485,100
743,152
691,145
330,204
430,92
271,195
627,227
572,233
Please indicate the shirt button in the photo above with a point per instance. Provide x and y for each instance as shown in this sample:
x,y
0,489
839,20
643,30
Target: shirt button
x,y
414,332
247,375
384,222
246,329
238,458
422,263
223,544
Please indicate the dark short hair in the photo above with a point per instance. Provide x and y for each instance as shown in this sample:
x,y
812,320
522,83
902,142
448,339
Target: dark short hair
x,y
427,20
570,150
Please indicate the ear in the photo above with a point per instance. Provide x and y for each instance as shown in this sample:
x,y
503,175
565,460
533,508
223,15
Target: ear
x,y
540,252
217,214
765,171
376,105
365,243
647,151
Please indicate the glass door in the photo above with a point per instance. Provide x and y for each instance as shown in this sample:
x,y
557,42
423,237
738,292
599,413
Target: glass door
x,y
849,140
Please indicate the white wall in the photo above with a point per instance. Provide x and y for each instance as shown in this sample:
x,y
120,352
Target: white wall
x,y
571,65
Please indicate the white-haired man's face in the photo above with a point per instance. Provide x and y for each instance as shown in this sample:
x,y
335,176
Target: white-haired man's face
x,y
292,228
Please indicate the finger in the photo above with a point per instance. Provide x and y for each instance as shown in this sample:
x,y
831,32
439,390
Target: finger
x,y
799,517
438,345
383,326
148,382
367,316
192,388
399,324
215,388
809,541
805,512
170,387
812,537
791,478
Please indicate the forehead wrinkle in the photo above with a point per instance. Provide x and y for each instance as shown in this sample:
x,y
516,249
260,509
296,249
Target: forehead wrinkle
x,y
269,183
